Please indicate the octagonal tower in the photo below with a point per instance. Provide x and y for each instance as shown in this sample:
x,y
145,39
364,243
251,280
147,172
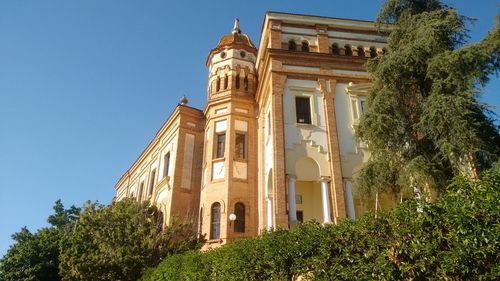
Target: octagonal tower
x,y
229,187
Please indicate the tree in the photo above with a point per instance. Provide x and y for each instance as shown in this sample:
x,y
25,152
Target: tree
x,y
120,241
35,256
424,122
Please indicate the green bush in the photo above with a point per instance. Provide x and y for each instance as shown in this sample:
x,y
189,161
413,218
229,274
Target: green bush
x,y
455,238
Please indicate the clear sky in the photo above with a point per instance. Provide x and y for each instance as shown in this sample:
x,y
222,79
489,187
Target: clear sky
x,y
85,84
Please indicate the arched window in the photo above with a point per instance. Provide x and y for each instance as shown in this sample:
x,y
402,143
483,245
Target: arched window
x,y
237,81
217,85
305,46
239,223
226,81
348,50
245,83
291,45
361,52
335,49
373,52
215,221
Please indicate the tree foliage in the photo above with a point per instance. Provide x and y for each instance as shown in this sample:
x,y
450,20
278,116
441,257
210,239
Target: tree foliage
x,y
455,238
423,121
35,256
119,242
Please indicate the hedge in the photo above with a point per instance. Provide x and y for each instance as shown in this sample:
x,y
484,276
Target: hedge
x,y
455,238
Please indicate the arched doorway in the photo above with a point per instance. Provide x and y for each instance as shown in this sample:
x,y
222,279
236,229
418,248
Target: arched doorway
x,y
308,191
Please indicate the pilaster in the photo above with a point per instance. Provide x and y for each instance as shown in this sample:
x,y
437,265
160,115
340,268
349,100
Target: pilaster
x,y
322,38
327,88
278,84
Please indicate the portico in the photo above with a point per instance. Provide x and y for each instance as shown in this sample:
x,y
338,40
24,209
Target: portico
x,y
308,200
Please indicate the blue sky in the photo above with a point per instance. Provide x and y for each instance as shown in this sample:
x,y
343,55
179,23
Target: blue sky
x,y
85,84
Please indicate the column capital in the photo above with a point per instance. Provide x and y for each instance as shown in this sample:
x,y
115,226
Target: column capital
x,y
291,176
325,178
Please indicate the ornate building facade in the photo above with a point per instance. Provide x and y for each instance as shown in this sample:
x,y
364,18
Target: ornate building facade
x,y
275,142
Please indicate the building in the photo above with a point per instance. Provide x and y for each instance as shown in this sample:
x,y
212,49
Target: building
x,y
275,142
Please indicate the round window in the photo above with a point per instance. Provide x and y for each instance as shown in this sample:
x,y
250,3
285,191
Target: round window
x,y
243,54
223,54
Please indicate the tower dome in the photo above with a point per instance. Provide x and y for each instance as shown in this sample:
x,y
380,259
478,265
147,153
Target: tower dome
x,y
234,40
235,37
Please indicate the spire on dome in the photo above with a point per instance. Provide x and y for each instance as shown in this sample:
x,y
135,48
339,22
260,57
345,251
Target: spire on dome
x,y
236,27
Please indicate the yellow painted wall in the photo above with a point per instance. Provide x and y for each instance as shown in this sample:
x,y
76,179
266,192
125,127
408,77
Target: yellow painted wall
x,y
311,200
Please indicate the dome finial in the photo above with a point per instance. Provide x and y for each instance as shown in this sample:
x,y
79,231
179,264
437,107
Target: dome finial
x,y
236,28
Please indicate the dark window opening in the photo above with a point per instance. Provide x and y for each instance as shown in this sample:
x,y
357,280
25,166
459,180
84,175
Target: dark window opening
x,y
305,46
221,145
226,82
245,83
240,146
348,50
239,223
335,49
373,52
291,45
300,216
166,164
217,86
152,181
215,221
237,81
361,52
141,187
303,110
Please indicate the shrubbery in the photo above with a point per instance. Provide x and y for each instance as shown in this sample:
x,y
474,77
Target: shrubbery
x,y
455,238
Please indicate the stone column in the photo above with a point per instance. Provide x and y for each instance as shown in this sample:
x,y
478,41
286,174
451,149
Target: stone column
x,y
324,199
269,217
349,200
292,211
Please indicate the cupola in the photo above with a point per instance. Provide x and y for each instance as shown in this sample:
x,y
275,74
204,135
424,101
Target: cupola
x,y
231,66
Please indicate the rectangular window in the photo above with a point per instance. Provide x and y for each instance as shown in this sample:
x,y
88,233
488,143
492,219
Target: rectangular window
x,y
166,164
152,181
141,188
240,146
303,110
220,145
300,216
361,106
354,109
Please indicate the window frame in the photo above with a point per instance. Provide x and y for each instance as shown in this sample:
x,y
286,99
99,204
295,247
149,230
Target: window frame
x,y
215,221
166,164
357,105
240,212
309,119
245,146
304,47
217,154
152,182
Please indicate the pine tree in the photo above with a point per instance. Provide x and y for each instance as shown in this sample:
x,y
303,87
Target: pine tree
x,y
424,122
